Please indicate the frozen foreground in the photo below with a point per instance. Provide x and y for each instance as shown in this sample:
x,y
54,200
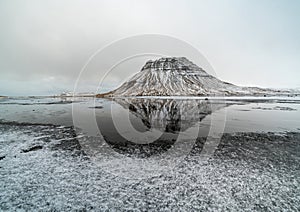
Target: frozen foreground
x,y
44,166
41,169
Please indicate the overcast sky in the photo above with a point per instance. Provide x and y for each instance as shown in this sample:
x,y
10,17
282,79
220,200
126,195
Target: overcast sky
x,y
44,44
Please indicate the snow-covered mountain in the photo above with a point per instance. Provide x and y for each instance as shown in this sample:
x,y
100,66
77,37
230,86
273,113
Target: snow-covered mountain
x,y
177,76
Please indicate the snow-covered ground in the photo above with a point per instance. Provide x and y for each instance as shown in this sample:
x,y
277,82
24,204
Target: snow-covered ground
x,y
248,172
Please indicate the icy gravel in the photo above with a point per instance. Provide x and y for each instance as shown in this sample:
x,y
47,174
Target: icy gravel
x,y
249,171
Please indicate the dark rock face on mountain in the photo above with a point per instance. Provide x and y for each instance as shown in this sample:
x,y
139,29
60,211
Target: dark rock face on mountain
x,y
177,76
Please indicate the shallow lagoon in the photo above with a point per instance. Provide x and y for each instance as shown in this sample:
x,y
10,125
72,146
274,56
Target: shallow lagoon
x,y
247,114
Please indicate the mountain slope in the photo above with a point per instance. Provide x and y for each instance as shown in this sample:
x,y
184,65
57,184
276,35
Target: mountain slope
x,y
177,76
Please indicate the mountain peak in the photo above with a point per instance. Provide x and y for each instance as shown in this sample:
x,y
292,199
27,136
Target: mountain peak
x,y
169,64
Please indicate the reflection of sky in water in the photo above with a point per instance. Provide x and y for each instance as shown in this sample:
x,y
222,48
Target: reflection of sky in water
x,y
263,117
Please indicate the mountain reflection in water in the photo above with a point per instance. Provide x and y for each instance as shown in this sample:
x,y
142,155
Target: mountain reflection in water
x,y
167,118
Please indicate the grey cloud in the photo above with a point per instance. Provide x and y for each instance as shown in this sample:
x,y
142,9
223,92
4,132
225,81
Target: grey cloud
x,y
52,40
